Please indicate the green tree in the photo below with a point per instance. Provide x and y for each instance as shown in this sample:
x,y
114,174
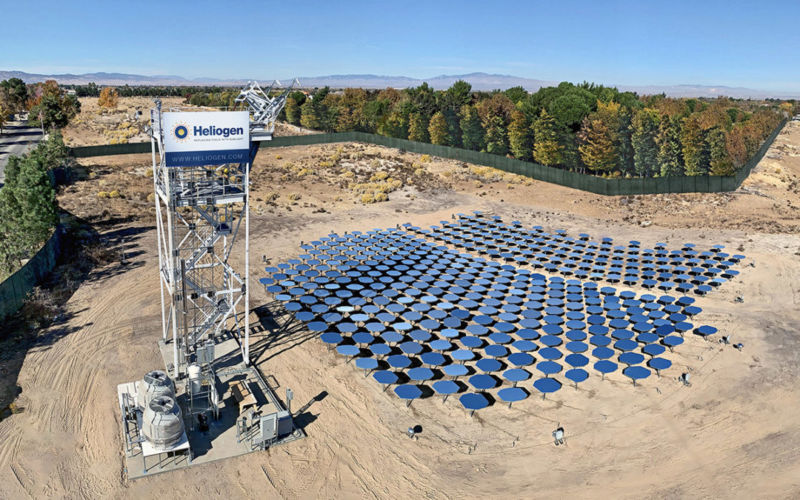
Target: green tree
x,y
516,94
457,96
600,138
645,149
417,128
11,230
13,95
569,105
423,100
309,115
496,140
719,159
570,156
626,152
670,157
374,112
51,107
450,102
472,133
453,127
693,146
54,112
520,136
292,110
328,110
395,125
53,152
36,197
598,148
438,130
546,149
28,209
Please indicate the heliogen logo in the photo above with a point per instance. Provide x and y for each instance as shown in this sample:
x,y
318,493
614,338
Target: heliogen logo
x,y
181,133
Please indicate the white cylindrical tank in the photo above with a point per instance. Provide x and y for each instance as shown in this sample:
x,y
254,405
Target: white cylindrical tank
x,y
154,383
194,378
162,424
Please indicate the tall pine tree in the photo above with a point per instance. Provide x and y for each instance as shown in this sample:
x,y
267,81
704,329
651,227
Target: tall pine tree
x,y
598,148
520,136
309,115
693,146
417,128
645,150
395,124
292,110
719,159
626,152
472,133
600,138
546,149
438,130
496,140
670,156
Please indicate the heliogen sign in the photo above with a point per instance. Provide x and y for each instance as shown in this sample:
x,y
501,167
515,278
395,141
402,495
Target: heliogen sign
x,y
206,138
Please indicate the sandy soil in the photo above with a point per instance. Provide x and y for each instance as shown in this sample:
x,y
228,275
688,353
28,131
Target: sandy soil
x,y
734,433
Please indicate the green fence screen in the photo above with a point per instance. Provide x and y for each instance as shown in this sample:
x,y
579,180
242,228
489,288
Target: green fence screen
x,y
15,289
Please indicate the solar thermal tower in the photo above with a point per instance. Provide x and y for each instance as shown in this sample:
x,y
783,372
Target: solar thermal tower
x,y
202,211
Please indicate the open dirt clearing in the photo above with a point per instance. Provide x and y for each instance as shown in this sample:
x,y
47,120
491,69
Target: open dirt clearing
x,y
732,434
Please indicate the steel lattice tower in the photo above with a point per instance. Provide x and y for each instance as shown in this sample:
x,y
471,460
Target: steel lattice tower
x,y
200,212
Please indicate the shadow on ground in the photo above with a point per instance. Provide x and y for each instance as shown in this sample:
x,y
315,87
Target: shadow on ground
x,y
275,332
91,252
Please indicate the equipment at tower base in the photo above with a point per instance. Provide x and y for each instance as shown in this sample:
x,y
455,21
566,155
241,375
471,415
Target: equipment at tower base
x,y
264,109
154,384
162,424
201,391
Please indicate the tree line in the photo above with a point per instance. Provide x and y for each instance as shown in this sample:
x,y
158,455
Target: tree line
x,y
48,105
93,90
583,128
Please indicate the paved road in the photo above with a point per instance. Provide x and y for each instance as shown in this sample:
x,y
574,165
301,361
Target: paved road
x,y
17,138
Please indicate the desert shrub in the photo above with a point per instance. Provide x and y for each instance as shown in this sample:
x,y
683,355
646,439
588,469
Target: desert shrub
x,y
378,176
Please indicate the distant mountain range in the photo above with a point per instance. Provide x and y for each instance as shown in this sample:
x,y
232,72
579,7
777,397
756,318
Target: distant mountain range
x,y
479,81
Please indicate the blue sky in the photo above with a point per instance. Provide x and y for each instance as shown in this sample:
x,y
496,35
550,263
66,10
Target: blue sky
x,y
752,44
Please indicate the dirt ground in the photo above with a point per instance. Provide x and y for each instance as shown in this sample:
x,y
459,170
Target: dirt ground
x,y
732,434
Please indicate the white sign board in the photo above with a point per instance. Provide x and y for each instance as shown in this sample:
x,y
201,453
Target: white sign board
x,y
206,138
